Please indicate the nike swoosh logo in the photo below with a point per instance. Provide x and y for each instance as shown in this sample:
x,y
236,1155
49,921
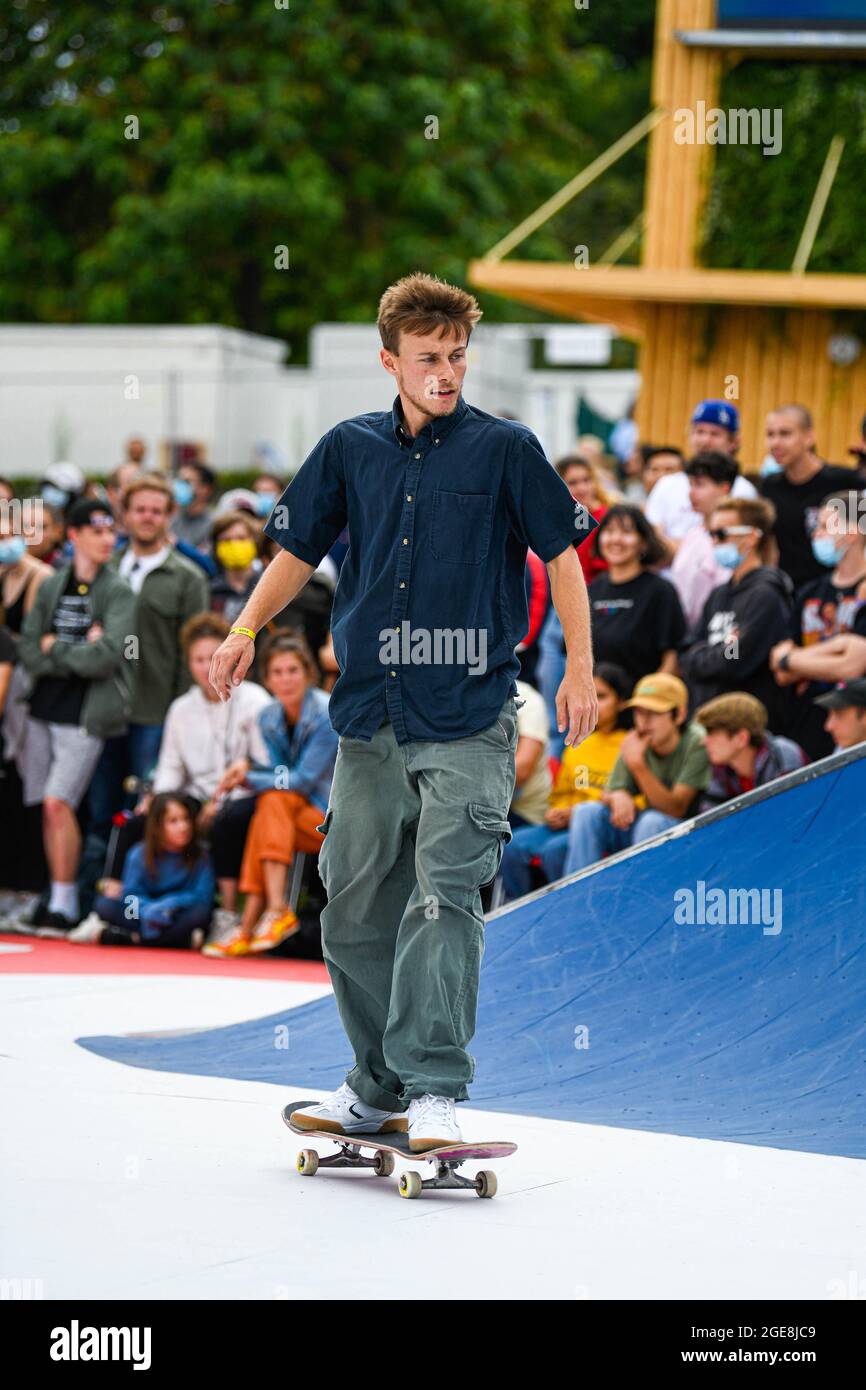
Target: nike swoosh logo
x,y
353,1111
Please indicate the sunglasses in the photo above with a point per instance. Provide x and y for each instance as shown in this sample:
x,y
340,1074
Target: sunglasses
x,y
725,531
101,523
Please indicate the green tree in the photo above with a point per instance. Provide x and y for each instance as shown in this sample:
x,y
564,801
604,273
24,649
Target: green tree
x,y
153,160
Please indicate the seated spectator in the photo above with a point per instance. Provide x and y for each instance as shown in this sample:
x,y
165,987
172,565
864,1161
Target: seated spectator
x,y
695,571
292,790
660,460
586,487
742,620
193,487
74,645
167,891
538,604
637,619
742,754
582,777
797,491
235,538
829,607
532,774
846,713
662,759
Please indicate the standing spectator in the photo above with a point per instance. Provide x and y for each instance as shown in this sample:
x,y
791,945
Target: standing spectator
x,y
62,485
236,537
45,541
742,754
20,575
799,489
695,571
292,789
268,490
743,619
115,485
637,620
73,643
193,489
846,717
584,483
136,452
662,764
532,781
825,609
660,461
714,425
582,777
166,896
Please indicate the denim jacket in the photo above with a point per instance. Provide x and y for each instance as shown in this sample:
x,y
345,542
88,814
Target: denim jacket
x,y
301,759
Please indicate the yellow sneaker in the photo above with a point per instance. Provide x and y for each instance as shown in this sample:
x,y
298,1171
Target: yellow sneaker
x,y
226,938
274,926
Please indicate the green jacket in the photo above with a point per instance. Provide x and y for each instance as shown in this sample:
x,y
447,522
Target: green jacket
x,y
170,594
107,663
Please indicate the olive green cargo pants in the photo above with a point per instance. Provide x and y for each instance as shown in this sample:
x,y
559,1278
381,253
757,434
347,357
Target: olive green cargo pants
x,y
412,833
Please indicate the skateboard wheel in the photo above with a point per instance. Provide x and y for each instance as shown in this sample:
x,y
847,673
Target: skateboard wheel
x,y
410,1184
485,1183
383,1165
308,1162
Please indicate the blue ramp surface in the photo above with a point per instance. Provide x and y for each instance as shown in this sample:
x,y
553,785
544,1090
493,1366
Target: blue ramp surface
x,y
600,1004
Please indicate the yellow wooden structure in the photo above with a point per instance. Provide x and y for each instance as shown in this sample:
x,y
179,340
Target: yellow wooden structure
x,y
758,338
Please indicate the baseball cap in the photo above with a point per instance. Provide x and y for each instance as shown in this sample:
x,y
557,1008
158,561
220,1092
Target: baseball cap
x,y
844,693
67,476
658,693
238,499
733,712
717,413
82,512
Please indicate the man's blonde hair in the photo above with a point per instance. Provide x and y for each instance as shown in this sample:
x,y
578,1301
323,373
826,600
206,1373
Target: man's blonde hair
x,y
421,303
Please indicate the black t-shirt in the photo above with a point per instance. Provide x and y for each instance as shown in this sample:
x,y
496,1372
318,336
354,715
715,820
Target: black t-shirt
x,y
58,699
635,623
797,507
8,650
821,610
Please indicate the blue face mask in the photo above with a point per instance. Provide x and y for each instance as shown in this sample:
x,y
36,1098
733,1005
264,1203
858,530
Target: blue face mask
x,y
769,466
727,555
265,503
11,550
55,496
827,552
184,492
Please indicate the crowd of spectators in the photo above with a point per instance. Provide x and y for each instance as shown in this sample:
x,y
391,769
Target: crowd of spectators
x,y
728,619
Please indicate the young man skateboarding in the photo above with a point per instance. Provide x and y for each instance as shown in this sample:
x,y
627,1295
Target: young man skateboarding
x,y
441,502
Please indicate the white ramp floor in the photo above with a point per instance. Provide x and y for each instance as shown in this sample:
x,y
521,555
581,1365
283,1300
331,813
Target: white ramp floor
x,y
123,1183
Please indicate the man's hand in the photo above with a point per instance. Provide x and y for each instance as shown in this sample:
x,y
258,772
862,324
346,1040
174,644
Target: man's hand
x,y
557,817
94,632
576,706
234,776
47,642
230,663
633,749
622,809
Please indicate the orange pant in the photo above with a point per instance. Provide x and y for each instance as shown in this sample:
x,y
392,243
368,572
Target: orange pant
x,y
283,822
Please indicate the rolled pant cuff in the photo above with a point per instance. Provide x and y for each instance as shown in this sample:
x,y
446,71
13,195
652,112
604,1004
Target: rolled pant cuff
x,y
374,1095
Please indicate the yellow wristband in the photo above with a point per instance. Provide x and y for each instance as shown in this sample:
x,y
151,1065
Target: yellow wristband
x,y
245,632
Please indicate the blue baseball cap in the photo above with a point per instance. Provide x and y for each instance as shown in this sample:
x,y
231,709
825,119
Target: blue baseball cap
x,y
717,413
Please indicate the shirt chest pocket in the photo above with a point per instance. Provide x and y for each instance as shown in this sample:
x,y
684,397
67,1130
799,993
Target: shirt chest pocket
x,y
461,527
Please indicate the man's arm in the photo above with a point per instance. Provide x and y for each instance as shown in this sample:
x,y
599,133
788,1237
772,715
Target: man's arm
x,y
576,704
284,577
838,658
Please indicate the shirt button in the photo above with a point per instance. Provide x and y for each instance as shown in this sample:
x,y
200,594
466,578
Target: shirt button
x,y
405,540
402,583
417,456
408,497
435,441
393,673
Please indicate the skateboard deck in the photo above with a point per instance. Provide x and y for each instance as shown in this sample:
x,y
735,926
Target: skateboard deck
x,y
447,1157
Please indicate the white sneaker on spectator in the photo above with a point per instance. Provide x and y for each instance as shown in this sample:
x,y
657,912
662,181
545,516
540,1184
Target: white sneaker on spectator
x,y
345,1113
432,1121
88,931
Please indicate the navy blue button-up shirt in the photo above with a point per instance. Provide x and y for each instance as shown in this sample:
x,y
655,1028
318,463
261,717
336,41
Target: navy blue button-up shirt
x,y
431,601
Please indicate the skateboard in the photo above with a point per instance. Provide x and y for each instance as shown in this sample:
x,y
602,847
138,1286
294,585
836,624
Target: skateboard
x,y
446,1157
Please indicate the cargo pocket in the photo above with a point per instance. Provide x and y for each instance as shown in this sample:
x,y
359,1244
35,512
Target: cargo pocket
x,y
490,821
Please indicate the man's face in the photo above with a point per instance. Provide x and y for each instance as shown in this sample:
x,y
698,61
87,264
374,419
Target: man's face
x,y
147,516
655,725
705,494
192,476
429,370
94,542
787,440
136,450
704,436
846,726
658,466
722,746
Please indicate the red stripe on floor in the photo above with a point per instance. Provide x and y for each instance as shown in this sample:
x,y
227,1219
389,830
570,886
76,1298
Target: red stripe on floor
x,y
53,957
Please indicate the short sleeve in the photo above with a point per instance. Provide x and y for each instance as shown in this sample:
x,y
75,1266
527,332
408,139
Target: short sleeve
x,y
695,771
544,515
620,779
311,513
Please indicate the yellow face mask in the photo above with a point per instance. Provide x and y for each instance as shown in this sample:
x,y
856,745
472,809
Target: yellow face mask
x,y
236,555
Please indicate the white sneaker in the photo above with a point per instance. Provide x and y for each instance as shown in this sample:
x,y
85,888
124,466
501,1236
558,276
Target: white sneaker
x,y
432,1121
88,931
345,1113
